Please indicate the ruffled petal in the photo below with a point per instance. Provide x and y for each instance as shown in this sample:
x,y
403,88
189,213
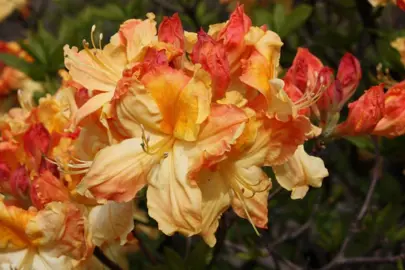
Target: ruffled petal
x,y
216,199
95,69
299,172
285,137
119,171
111,221
173,200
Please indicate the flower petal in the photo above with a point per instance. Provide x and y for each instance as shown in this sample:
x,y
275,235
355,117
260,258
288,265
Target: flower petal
x,y
364,114
211,55
171,31
111,221
285,138
92,105
118,172
299,172
165,85
216,199
95,69
136,35
173,200
13,223
393,122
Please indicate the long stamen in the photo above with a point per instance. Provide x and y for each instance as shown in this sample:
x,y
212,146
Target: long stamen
x,y
237,191
93,29
100,39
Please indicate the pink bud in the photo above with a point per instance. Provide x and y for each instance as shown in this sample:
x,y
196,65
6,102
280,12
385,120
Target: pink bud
x,y
349,76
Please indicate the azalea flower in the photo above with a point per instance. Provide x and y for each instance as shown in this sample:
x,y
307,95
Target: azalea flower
x,y
300,172
364,114
307,75
391,124
194,120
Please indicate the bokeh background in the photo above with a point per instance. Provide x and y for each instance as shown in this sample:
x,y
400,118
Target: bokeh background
x,y
302,234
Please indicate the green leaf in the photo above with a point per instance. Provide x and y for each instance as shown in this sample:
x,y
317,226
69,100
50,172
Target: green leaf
x,y
295,20
37,96
198,257
278,17
173,259
262,16
28,68
361,142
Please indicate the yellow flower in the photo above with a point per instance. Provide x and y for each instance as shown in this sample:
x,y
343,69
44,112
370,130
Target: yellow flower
x,y
300,172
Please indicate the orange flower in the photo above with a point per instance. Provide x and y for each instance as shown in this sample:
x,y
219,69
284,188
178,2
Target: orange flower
x,y
392,123
364,114
212,56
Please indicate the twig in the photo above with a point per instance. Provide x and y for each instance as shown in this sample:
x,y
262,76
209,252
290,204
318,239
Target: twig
x,y
289,263
289,236
105,260
274,193
372,260
143,248
363,210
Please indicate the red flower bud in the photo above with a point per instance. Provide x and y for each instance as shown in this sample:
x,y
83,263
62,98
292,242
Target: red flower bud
x,y
393,122
304,70
349,76
171,31
212,57
364,113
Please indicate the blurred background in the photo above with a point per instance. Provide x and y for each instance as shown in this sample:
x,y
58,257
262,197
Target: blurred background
x,y
302,234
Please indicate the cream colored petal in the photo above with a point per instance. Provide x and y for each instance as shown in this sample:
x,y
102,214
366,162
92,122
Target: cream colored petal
x,y
92,105
94,72
111,221
137,108
314,168
216,199
119,171
173,200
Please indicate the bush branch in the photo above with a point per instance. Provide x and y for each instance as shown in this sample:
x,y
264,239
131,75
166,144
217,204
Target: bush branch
x,y
376,173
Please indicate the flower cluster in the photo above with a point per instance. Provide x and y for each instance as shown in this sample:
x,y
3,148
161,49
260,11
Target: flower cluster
x,y
192,118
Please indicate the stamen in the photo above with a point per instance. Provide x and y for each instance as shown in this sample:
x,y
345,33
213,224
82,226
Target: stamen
x,y
100,39
93,28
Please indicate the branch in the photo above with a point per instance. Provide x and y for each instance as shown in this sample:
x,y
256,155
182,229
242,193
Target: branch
x,y
376,172
105,260
274,193
289,236
372,260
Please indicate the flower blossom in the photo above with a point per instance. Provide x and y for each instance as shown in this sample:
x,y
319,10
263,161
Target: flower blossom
x,y
191,116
